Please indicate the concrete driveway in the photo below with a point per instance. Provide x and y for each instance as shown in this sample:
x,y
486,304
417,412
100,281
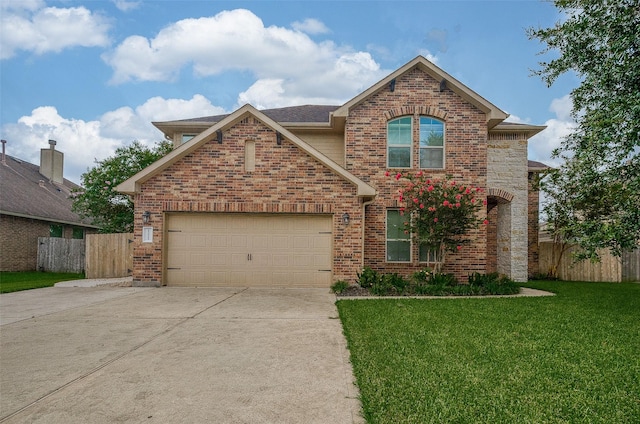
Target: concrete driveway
x,y
174,355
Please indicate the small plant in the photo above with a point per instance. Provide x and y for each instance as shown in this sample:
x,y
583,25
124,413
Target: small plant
x,y
368,278
443,280
422,276
339,286
482,280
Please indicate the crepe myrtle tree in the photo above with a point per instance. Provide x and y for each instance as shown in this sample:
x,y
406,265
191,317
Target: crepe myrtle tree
x,y
98,199
440,213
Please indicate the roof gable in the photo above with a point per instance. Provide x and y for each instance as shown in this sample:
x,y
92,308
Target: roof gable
x,y
494,114
132,185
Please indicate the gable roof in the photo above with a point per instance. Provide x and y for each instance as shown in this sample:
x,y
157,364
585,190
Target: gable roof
x,y
494,114
132,185
26,193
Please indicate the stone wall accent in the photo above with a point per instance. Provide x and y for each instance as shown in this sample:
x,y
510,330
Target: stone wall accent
x,y
507,171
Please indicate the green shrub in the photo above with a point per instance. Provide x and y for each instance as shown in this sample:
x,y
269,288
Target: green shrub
x,y
443,280
368,278
339,286
421,277
482,280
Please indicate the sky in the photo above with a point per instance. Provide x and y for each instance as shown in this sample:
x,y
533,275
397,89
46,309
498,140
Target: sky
x,y
94,74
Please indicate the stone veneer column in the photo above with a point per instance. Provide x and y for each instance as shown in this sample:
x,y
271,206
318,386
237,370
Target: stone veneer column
x,y
507,170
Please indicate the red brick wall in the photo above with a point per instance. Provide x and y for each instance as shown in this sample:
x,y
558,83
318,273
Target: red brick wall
x,y
416,94
19,241
213,179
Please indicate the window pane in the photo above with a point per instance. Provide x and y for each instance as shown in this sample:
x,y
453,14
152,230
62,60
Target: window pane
x,y
427,255
432,158
399,131
55,230
431,132
78,233
398,251
395,226
399,157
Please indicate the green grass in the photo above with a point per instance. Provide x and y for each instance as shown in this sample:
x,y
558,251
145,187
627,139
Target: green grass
x,y
16,281
571,358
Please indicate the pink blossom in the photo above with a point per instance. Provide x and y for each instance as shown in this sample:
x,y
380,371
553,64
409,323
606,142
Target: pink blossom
x,y
458,247
435,219
428,181
401,198
458,196
386,174
458,205
445,203
432,209
453,183
406,232
419,174
467,191
421,206
430,188
415,200
485,222
473,200
398,176
484,202
445,194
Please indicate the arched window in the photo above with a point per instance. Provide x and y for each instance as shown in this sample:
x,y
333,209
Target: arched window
x,y
399,142
431,143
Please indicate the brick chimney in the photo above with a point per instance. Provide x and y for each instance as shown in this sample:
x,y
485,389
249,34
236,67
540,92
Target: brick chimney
x,y
51,163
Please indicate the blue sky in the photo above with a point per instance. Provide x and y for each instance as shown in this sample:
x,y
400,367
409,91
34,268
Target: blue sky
x,y
94,74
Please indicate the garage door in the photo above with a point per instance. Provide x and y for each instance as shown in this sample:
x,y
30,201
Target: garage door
x,y
248,250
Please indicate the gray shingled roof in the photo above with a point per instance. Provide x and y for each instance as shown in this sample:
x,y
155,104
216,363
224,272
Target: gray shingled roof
x,y
306,113
27,193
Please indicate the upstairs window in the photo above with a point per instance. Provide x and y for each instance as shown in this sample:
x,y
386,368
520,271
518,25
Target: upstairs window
x,y
55,230
399,143
187,137
431,143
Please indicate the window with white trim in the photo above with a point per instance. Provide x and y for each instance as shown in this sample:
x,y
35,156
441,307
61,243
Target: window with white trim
x,y
399,142
398,242
431,143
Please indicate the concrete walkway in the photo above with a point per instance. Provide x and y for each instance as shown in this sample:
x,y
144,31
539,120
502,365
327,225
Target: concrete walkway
x,y
174,355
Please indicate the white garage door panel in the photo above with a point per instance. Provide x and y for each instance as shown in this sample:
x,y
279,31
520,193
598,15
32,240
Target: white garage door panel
x,y
249,249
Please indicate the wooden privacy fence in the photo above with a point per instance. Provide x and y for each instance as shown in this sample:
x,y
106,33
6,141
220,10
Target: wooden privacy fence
x,y
109,255
57,254
610,268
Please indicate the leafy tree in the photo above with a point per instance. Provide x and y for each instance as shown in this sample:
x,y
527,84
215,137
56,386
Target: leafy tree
x,y
98,199
596,192
439,213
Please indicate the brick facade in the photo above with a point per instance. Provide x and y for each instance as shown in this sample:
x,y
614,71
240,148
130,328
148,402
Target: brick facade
x,y
212,177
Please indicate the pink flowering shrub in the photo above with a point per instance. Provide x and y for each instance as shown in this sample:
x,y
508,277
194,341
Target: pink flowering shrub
x,y
439,213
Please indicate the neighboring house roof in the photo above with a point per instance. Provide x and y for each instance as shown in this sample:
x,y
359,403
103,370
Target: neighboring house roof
x,y
535,166
26,193
132,185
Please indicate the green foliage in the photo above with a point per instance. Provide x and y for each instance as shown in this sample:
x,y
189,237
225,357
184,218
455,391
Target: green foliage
x,y
595,195
98,200
443,280
368,278
569,358
440,213
339,286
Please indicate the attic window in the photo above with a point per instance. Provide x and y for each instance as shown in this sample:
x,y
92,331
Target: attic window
x,y
187,137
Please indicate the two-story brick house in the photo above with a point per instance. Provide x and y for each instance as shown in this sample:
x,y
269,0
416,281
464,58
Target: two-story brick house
x,y
298,196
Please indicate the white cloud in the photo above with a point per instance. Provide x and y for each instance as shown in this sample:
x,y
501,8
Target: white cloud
x,y
542,145
125,6
83,142
32,27
310,26
238,40
427,54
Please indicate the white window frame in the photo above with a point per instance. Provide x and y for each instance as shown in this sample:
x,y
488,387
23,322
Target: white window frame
x,y
387,240
443,147
408,146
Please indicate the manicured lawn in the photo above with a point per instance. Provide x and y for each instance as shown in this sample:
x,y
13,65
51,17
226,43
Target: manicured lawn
x,y
570,358
16,281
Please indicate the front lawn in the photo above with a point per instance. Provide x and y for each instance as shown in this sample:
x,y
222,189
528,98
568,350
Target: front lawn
x,y
574,357
16,281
